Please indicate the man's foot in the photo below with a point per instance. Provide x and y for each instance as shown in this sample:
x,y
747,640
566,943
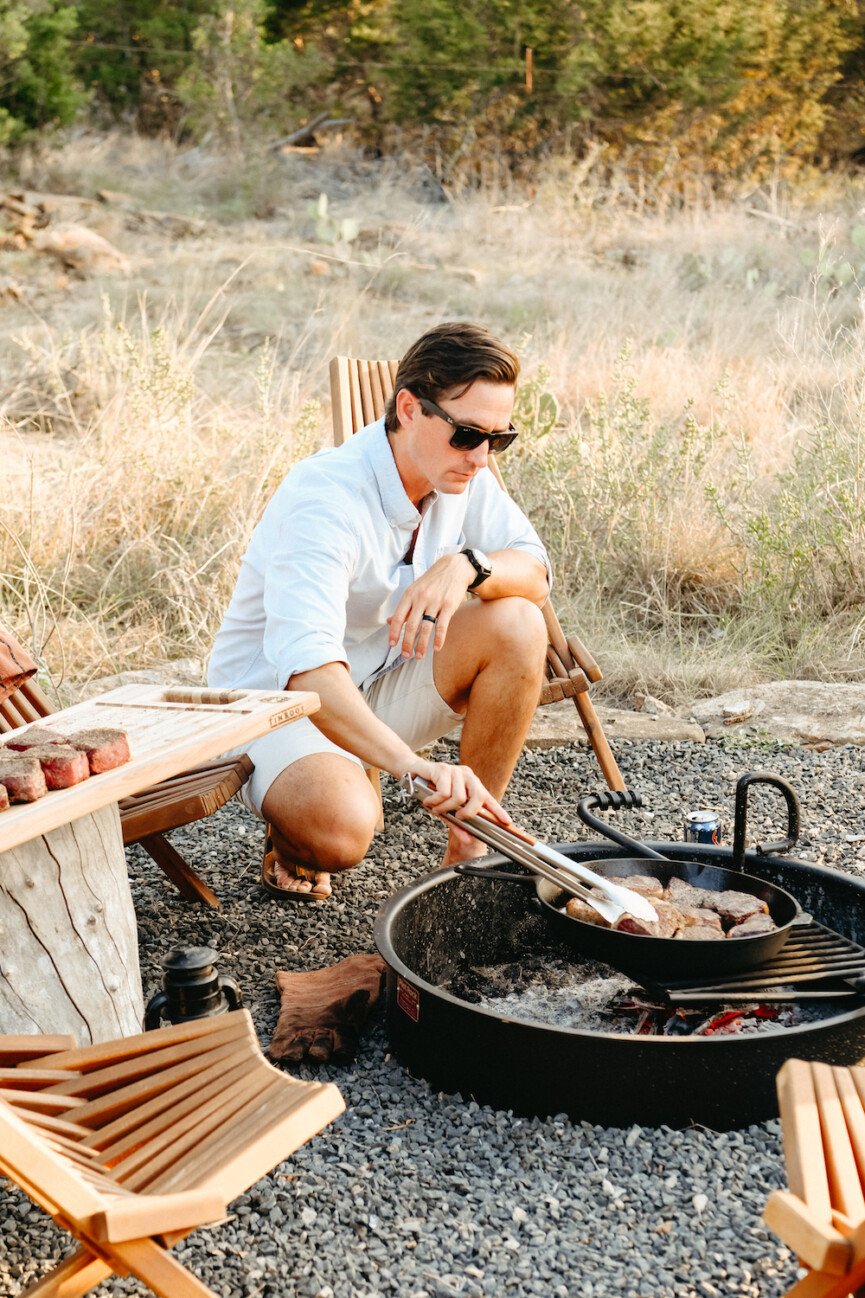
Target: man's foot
x,y
462,847
292,881
311,884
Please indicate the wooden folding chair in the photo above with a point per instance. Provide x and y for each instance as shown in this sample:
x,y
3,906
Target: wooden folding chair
x,y
359,391
131,1145
822,1216
146,817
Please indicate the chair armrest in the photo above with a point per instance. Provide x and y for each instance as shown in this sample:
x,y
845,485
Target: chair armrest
x,y
818,1244
135,1216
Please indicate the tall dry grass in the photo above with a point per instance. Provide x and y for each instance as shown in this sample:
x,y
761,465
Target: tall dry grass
x,y
701,486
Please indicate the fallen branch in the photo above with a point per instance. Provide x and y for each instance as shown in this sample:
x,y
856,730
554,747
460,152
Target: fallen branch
x,y
323,122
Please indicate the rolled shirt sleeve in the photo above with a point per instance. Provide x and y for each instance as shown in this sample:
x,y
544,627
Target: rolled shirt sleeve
x,y
494,521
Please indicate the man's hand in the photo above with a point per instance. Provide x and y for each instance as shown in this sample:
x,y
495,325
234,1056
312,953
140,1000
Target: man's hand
x,y
457,789
428,604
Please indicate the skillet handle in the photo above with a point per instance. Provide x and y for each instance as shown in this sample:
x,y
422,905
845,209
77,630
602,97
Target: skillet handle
x,y
469,871
743,785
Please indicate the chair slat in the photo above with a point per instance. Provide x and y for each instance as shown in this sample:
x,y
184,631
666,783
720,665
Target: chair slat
x,y
111,1105
376,391
149,1122
229,1140
366,402
166,1164
357,419
803,1138
844,1184
19,1049
386,380
340,397
235,1025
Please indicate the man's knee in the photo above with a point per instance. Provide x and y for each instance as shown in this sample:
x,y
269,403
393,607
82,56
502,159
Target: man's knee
x,y
329,825
518,627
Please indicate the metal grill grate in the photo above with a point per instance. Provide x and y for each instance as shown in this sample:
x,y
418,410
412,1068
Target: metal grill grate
x,y
815,963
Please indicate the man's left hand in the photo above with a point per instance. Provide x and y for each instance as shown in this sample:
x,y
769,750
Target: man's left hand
x,y
423,614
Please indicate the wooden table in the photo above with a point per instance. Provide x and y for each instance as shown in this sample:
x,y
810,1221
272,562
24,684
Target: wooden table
x,y
68,937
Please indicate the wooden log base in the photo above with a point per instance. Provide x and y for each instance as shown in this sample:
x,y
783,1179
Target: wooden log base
x,y
68,937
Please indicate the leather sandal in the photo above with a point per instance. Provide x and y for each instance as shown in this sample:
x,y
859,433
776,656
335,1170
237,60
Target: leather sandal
x,y
285,895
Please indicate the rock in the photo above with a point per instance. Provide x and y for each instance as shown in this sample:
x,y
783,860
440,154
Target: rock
x,y
808,712
651,706
181,671
80,249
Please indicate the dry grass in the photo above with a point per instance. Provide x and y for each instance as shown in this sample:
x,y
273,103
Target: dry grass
x,y
145,421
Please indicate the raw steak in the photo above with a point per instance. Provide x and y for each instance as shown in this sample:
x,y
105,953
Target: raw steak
x,y
23,778
35,737
105,749
62,765
4,798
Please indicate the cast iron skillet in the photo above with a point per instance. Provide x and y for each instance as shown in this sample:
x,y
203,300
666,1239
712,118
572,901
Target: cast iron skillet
x,y
659,955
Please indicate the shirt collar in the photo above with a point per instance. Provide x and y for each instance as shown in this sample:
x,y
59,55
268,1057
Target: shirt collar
x,y
398,509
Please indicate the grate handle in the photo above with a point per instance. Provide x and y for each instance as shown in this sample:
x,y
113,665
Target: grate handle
x,y
794,813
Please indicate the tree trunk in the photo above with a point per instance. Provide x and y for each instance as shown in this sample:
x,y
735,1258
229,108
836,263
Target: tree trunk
x,y
68,938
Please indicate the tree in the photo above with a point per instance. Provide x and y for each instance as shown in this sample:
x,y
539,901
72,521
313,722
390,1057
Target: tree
x,y
38,88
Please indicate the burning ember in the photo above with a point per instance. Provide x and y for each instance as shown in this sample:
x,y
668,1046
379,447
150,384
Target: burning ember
x,y
565,992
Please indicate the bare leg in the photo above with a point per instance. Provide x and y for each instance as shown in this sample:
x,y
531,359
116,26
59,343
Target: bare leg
x,y
491,667
323,813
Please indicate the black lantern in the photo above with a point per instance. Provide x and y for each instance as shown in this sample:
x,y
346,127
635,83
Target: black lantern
x,y
192,988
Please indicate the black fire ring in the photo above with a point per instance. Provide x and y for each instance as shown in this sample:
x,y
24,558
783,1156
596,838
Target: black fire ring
x,y
441,923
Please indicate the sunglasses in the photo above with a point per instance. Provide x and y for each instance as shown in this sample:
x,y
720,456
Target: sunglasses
x,y
465,436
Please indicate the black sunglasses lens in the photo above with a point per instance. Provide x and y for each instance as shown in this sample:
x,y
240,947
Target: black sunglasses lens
x,y
468,439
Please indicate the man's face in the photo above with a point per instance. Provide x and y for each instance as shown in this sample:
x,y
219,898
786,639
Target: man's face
x,y
425,456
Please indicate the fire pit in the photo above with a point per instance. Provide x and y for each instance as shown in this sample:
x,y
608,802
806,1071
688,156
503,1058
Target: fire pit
x,y
435,935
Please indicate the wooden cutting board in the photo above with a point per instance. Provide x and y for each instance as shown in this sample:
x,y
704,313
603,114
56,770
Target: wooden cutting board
x,y
169,729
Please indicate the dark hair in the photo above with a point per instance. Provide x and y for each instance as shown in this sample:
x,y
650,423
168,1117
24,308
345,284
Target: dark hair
x,y
451,356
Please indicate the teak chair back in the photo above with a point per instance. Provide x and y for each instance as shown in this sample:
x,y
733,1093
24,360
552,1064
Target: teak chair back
x,y
359,391
145,817
822,1216
130,1145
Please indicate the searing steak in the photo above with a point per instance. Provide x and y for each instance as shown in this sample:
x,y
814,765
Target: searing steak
x,y
667,924
685,912
105,749
35,737
700,917
22,776
644,884
701,933
583,911
753,926
734,907
62,765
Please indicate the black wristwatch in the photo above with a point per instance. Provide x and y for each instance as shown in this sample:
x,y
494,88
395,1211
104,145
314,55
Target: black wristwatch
x,y
481,564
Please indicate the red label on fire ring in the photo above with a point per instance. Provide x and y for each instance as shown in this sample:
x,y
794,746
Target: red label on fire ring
x,y
408,999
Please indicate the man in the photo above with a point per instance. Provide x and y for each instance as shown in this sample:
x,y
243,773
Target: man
x,y
354,586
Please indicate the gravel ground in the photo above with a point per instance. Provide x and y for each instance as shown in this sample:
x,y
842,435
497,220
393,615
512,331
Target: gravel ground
x,y
422,1195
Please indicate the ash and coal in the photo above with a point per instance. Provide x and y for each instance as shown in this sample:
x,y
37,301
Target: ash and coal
x,y
547,984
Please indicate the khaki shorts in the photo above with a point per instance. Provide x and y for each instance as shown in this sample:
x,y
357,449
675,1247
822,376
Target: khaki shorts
x,y
405,699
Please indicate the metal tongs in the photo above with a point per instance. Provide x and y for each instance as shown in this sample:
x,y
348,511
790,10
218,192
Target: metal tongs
x,y
610,900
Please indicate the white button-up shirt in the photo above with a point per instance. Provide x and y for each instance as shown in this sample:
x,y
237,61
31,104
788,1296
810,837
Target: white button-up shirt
x,y
325,566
